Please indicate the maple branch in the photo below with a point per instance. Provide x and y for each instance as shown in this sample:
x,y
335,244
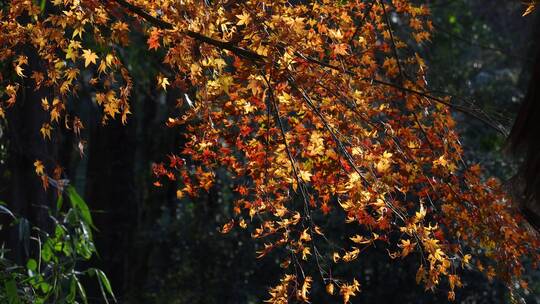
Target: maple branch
x,y
338,142
458,108
251,55
401,73
239,51
299,181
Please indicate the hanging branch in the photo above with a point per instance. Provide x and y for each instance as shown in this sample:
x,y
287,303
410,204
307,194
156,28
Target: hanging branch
x,y
254,57
239,51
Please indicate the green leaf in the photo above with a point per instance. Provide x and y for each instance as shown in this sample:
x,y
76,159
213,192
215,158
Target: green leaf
x,y
31,264
105,281
45,287
82,292
78,203
11,291
59,202
46,252
70,298
59,231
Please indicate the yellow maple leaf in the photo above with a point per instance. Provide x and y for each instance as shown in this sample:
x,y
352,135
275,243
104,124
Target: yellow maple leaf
x,y
330,288
349,290
89,57
111,109
419,215
78,32
19,71
55,115
46,130
39,168
305,252
243,19
336,257
466,259
163,82
341,49
351,255
530,8
45,103
305,175
242,224
303,294
431,245
382,165
316,144
406,247
358,239
305,236
249,108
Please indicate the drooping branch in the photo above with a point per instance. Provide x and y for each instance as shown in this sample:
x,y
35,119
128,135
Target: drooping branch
x,y
457,107
239,51
253,56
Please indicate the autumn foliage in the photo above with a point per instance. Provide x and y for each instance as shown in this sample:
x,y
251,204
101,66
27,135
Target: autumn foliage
x,y
311,108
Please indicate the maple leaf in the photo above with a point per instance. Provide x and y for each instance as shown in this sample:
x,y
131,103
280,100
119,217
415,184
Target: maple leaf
x,y
249,108
39,168
349,290
336,257
78,32
225,82
406,247
243,19
466,259
111,109
421,214
305,175
341,49
153,40
242,223
72,54
89,57
46,130
351,255
330,288
163,82
303,293
305,236
358,239
530,8
316,144
55,115
19,70
227,227
305,252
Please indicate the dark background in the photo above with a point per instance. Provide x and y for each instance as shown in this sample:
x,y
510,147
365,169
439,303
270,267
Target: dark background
x,y
158,249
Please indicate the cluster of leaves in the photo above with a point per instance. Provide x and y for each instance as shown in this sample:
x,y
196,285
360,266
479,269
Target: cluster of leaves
x,y
53,275
313,108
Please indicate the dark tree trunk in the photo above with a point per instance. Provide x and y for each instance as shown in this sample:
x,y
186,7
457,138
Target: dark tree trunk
x,y
524,140
25,194
110,191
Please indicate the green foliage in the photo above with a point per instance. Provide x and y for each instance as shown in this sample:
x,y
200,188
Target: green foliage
x,y
53,272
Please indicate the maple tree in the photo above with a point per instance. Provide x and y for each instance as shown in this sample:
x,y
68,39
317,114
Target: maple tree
x,y
312,108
